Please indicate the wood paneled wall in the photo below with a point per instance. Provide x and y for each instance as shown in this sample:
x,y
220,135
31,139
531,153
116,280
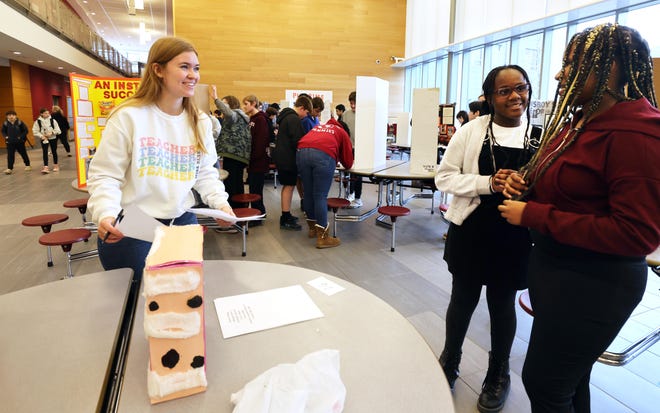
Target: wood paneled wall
x,y
265,47
15,91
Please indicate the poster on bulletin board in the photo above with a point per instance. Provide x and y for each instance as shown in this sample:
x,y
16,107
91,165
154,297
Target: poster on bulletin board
x,y
93,100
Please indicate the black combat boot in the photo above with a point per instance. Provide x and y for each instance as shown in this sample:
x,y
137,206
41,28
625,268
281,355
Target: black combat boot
x,y
449,363
496,386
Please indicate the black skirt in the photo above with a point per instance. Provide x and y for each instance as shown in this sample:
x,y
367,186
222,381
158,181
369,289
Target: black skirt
x,y
488,249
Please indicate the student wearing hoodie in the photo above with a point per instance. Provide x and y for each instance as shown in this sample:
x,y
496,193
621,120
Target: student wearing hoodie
x,y
45,130
290,131
15,133
259,161
590,198
234,143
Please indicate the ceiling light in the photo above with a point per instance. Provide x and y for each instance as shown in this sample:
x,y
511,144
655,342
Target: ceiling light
x,y
93,14
40,61
139,4
60,67
16,52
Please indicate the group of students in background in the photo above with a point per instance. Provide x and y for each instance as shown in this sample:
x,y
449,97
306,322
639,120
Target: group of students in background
x,y
49,128
251,138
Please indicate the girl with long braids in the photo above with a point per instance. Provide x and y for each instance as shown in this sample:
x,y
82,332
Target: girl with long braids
x,y
590,197
482,248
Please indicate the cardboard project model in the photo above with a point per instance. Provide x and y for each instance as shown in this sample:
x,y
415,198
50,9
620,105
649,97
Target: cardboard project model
x,y
174,313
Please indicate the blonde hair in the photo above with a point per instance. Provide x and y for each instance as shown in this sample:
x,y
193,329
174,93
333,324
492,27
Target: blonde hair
x,y
151,86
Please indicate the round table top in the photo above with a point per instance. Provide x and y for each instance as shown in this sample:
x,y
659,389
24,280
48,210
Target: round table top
x,y
44,220
74,185
386,365
65,236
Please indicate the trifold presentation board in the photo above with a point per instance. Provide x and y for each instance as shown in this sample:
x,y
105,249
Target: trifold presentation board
x,y
370,122
424,142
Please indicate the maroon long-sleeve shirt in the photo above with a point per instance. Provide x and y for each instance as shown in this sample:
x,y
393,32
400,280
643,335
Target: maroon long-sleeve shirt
x,y
603,192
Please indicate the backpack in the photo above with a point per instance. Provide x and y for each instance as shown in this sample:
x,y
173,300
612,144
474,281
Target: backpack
x,y
41,125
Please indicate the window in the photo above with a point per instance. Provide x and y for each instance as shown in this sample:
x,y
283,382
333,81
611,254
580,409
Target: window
x,y
645,21
555,43
496,55
527,52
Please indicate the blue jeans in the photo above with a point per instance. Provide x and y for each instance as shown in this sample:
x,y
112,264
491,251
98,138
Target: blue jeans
x,y
132,253
316,169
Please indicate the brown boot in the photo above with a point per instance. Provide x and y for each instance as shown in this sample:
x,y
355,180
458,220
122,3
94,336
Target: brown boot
x,y
312,231
323,239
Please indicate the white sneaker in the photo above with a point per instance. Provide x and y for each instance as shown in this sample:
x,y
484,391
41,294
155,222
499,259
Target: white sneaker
x,y
45,170
357,203
8,171
351,197
28,168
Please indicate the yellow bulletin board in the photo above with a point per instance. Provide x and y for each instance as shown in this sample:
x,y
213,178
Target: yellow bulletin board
x,y
93,100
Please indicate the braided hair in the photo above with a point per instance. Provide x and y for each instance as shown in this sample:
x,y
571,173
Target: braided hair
x,y
592,52
488,88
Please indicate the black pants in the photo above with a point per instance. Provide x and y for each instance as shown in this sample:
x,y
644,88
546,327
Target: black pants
x,y
501,307
581,299
52,143
355,186
256,185
12,148
234,182
63,137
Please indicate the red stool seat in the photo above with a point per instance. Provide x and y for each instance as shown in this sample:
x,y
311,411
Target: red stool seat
x,y
443,208
334,204
245,198
80,203
65,238
45,222
393,212
246,212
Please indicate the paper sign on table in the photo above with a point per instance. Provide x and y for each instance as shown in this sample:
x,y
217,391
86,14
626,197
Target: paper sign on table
x,y
247,313
326,286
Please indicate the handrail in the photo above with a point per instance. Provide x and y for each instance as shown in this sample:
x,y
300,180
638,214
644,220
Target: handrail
x,y
56,17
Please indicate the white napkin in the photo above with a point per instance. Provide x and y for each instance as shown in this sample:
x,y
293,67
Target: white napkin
x,y
312,385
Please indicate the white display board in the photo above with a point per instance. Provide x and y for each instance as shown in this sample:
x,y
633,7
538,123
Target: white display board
x,y
424,142
403,129
370,122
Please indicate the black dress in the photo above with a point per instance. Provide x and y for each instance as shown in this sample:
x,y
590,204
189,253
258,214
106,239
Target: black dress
x,y
486,247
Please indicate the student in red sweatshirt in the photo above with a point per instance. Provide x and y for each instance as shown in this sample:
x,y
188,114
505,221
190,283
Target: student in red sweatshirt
x,y
318,153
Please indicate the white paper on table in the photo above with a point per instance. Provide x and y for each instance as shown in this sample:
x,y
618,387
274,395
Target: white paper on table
x,y
247,313
326,286
216,213
137,224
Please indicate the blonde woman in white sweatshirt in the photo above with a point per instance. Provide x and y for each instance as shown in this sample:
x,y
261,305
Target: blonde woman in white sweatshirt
x,y
156,147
